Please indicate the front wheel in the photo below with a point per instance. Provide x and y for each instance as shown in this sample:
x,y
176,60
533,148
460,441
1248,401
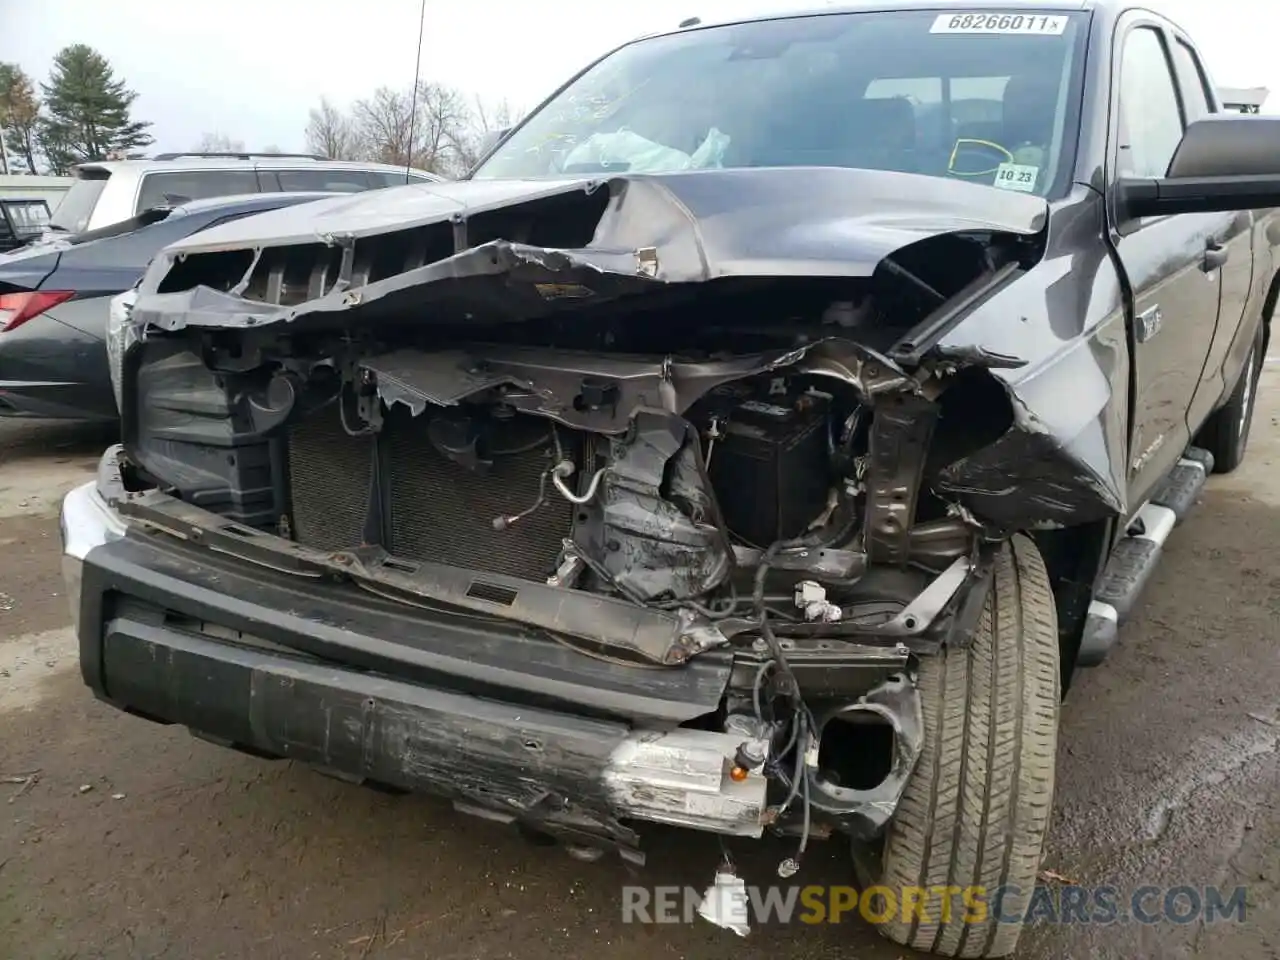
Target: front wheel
x,y
971,823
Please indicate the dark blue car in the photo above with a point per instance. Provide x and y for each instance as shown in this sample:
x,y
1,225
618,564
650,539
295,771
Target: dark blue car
x,y
55,297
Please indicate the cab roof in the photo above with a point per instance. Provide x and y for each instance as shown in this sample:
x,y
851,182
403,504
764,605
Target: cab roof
x,y
889,6
195,161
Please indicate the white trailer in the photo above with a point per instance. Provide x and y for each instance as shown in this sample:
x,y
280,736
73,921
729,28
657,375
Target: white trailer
x,y
27,187
1243,99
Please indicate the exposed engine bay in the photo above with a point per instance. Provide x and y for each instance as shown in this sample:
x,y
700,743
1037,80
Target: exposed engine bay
x,y
769,498
709,486
667,502
647,454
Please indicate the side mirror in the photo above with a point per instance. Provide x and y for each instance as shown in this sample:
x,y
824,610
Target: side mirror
x,y
1225,162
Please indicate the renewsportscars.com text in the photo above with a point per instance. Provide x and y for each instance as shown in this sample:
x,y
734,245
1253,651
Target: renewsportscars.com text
x,y
1071,904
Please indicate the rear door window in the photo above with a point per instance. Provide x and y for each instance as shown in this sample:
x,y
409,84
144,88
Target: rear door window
x,y
321,179
168,189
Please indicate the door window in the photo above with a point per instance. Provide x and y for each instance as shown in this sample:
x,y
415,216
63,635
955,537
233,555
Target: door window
x,y
169,189
397,179
1150,117
337,180
1194,82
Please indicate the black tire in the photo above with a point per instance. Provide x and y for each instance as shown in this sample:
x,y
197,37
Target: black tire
x,y
1226,434
976,809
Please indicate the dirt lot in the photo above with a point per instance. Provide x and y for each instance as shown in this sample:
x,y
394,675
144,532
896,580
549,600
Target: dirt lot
x,y
139,841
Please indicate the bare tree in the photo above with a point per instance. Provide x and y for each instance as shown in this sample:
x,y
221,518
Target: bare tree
x,y
496,117
384,126
218,142
442,117
485,122
438,130
331,133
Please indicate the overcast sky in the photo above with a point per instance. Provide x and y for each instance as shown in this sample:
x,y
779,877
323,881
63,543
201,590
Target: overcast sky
x,y
252,68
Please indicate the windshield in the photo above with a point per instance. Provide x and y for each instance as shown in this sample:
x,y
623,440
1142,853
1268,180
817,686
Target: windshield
x,y
984,97
76,207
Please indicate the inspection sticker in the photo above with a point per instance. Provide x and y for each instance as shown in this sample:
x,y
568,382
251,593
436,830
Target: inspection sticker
x,y
1017,176
1010,23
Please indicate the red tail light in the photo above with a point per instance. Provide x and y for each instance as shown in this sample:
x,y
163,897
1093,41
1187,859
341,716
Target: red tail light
x,y
17,308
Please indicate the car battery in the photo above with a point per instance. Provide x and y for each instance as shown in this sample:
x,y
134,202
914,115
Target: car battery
x,y
770,467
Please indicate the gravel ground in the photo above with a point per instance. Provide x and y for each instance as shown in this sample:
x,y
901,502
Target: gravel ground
x,y
138,841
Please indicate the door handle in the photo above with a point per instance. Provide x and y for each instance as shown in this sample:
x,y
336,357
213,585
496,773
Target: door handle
x,y
1215,256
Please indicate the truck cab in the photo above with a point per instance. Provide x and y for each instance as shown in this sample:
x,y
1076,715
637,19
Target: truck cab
x,y
757,439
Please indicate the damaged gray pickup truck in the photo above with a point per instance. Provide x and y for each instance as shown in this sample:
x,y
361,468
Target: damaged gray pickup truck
x,y
755,442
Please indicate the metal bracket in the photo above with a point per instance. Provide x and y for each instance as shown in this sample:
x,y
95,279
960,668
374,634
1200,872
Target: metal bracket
x,y
918,615
900,433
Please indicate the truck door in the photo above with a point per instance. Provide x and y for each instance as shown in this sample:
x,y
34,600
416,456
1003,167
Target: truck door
x,y
1236,278
1173,263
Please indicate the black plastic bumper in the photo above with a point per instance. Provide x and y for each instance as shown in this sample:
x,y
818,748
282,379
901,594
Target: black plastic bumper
x,y
171,590
508,725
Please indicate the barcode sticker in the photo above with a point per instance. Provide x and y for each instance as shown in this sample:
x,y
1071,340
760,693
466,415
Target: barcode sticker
x,y
1001,23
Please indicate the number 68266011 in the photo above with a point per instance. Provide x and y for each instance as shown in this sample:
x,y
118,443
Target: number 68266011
x,y
1007,23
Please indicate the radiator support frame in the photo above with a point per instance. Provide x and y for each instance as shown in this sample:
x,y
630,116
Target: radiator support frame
x,y
417,504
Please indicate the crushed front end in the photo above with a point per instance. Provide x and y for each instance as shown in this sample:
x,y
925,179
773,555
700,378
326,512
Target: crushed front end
x,y
575,530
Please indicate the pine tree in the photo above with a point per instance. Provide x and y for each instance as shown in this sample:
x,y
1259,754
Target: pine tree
x,y
88,111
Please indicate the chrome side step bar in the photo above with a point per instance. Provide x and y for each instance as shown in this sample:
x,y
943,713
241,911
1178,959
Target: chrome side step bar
x,y
1135,557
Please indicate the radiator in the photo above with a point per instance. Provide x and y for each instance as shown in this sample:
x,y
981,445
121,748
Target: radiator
x,y
329,474
438,511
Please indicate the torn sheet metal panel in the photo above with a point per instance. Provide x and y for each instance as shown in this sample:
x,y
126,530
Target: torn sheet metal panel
x,y
653,230
1064,460
378,211
587,391
1027,481
600,392
498,279
659,533
734,209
